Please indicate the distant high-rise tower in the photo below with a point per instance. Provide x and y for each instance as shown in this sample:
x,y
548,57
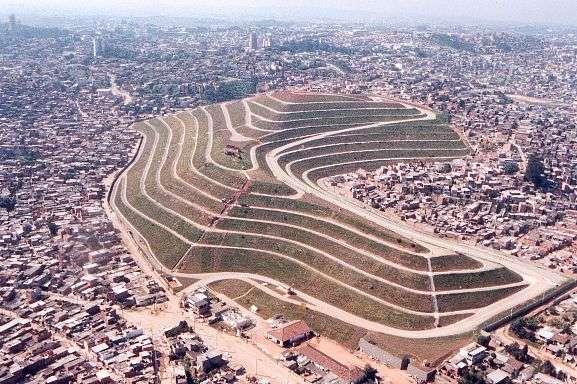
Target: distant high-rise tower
x,y
97,46
267,41
252,41
12,22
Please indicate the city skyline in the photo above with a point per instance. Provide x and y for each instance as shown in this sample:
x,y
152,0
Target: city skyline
x,y
467,11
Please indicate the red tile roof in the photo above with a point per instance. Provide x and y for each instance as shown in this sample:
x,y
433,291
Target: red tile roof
x,y
349,374
290,330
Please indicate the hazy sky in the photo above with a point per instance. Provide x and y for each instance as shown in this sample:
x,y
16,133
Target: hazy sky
x,y
540,11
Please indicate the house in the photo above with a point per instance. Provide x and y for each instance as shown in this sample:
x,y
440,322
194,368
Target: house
x,y
555,349
572,345
545,334
561,338
210,360
526,374
349,375
513,367
455,366
120,293
501,359
291,333
232,150
369,346
199,304
235,320
546,379
498,377
473,353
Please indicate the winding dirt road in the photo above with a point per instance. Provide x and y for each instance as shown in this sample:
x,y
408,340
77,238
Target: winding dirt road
x,y
538,280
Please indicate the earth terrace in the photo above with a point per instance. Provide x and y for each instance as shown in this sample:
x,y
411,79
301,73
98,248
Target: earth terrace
x,y
236,189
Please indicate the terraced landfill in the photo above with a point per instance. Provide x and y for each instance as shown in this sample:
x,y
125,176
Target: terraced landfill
x,y
236,190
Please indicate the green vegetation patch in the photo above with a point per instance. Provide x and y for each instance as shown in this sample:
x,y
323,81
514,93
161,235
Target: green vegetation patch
x,y
308,98
432,351
368,148
341,159
233,180
252,261
478,299
313,259
332,121
231,288
185,192
166,247
236,112
452,319
343,234
389,136
291,134
472,279
454,262
345,111
240,159
270,188
327,103
317,208
185,164
144,204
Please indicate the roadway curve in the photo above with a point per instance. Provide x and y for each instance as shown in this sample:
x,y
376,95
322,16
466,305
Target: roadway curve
x,y
538,279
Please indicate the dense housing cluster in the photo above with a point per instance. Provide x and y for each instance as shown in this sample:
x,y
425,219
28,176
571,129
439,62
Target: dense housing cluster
x,y
538,348
477,201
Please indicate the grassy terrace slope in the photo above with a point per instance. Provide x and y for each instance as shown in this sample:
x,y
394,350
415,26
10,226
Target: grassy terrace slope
x,y
205,194
247,295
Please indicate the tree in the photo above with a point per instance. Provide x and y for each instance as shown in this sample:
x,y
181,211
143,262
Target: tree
x,y
536,363
26,228
7,202
370,372
524,328
548,368
510,167
534,171
93,242
472,377
521,354
526,350
484,340
512,349
517,327
53,228
531,323
557,322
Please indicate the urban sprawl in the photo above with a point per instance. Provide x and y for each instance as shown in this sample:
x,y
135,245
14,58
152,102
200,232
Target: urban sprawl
x,y
80,301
